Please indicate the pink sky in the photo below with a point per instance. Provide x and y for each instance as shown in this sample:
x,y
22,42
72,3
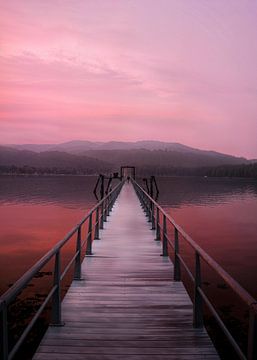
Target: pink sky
x,y
172,70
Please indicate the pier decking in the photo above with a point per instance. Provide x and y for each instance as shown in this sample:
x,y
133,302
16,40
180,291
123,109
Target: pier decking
x,y
127,306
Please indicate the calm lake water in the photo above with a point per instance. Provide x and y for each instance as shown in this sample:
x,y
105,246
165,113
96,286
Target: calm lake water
x,y
35,213
220,215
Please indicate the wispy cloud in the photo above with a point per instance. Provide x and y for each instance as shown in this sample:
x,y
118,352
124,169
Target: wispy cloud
x,y
180,71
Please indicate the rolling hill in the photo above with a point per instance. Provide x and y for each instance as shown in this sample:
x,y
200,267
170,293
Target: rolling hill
x,y
95,157
51,160
79,147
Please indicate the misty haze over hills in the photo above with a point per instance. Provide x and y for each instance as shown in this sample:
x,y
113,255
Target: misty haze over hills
x,y
79,147
85,157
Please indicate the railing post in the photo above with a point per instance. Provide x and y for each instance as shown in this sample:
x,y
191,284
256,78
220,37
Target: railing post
x,y
177,272
77,269
110,202
198,303
104,211
152,215
89,237
144,203
158,233
108,205
3,333
149,212
252,333
164,237
140,196
97,224
56,307
102,217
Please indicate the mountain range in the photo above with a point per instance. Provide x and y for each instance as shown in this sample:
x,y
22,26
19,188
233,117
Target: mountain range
x,y
95,157
80,146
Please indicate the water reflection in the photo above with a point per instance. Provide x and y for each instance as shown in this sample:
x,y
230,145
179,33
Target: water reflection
x,y
177,191
36,212
220,215
68,191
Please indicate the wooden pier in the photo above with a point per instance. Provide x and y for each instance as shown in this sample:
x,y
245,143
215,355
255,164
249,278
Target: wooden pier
x,y
127,305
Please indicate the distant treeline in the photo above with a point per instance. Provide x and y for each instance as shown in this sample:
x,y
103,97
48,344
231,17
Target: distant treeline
x,y
31,170
247,171
232,171
243,170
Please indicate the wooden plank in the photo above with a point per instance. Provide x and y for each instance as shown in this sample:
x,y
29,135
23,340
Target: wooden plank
x,y
44,356
121,335
178,342
123,351
127,306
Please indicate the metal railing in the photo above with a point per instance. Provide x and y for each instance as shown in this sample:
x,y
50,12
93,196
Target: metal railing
x,y
95,219
154,213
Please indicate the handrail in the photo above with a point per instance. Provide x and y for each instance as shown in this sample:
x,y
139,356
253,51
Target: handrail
x,y
153,210
101,211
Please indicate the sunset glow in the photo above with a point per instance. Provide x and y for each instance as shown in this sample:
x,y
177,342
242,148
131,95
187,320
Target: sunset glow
x,y
172,70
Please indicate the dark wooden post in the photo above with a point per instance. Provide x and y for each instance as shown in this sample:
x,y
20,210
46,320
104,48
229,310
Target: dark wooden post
x,y
145,204
89,237
252,333
149,211
56,306
112,201
102,217
164,237
77,269
105,211
3,333
97,224
177,272
152,215
158,233
198,303
108,205
140,196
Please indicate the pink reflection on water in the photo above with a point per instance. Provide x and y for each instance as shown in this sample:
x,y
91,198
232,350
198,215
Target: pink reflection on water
x,y
225,231
28,232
